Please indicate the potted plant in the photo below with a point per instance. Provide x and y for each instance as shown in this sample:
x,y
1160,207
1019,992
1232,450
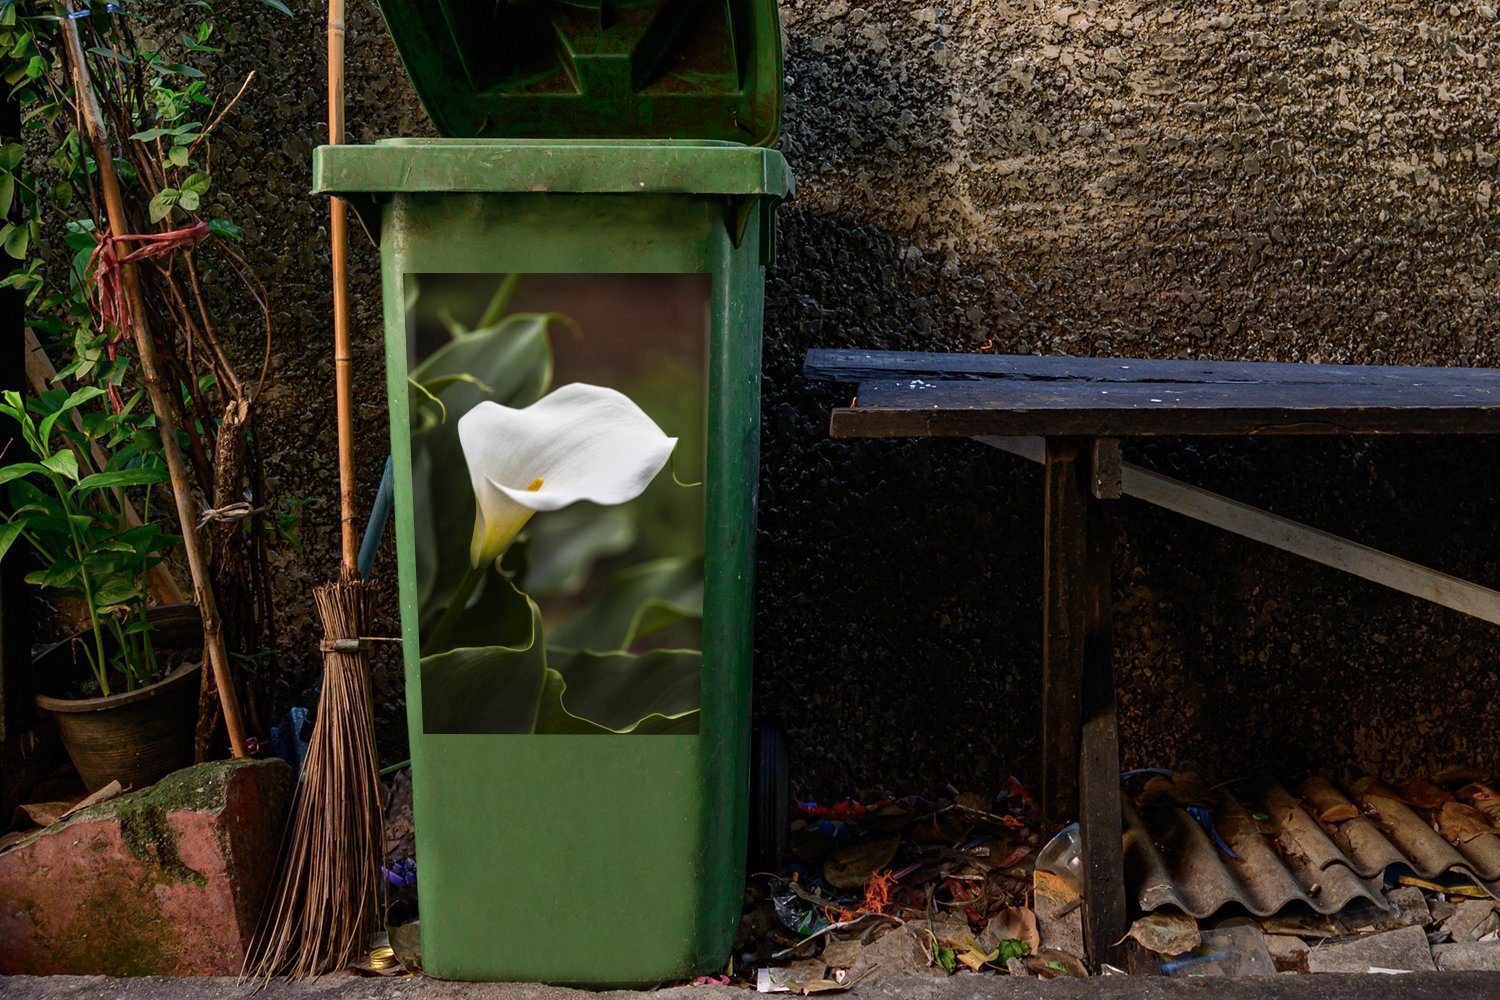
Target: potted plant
x,y
122,689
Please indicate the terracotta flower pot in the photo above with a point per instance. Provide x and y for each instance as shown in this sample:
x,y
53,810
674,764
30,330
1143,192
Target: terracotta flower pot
x,y
135,737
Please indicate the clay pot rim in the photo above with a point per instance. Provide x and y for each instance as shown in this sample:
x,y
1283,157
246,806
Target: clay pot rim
x,y
107,702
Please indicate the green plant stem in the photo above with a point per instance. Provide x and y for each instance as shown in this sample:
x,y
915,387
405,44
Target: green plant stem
x,y
500,301
453,611
148,648
101,665
125,650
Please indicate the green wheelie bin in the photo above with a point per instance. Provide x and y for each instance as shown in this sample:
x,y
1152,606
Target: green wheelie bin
x,y
573,284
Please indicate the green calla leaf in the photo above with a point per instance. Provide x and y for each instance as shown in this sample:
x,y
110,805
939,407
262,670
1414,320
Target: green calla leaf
x,y
639,601
499,613
651,693
563,547
486,689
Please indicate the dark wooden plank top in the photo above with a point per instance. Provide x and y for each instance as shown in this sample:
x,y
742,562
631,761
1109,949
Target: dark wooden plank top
x,y
900,394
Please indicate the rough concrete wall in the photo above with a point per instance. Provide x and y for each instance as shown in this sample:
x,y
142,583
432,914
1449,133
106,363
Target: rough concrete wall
x,y
1302,181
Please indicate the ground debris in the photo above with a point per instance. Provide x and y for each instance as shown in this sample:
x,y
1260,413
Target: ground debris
x,y
1476,956
888,886
1288,953
1472,920
1404,950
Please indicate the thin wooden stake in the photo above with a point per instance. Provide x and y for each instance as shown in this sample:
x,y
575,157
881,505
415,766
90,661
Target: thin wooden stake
x,y
161,403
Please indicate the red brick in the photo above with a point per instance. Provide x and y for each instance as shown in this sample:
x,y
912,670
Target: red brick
x,y
166,881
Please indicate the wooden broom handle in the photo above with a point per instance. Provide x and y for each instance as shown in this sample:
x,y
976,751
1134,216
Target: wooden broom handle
x,y
161,403
342,357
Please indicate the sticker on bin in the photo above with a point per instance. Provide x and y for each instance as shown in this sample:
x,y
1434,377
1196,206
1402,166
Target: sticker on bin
x,y
557,468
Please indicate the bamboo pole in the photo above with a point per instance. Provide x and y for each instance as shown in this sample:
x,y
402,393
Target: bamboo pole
x,y
342,356
161,403
40,372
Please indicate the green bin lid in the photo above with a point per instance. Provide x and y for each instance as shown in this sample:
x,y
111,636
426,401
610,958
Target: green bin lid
x,y
570,69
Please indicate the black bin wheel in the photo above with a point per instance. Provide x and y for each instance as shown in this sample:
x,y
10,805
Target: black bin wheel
x,y
770,795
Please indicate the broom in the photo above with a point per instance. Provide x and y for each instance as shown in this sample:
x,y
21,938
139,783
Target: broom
x,y
328,898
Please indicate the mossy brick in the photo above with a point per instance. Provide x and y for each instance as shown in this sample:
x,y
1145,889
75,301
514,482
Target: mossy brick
x,y
169,880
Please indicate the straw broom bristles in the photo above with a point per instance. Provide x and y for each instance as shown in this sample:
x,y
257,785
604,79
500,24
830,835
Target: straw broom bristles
x,y
328,892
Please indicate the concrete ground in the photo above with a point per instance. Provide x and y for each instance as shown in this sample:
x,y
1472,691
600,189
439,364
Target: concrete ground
x,y
1417,986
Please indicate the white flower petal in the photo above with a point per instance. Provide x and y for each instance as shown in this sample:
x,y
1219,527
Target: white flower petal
x,y
580,442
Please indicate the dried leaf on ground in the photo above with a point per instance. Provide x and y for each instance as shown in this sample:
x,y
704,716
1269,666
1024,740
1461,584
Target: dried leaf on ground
x,y
1014,923
841,954
1371,787
823,986
974,956
1484,798
1458,774
48,813
45,813
973,959
1057,964
1166,933
851,867
104,794
1460,824
1423,794
1327,803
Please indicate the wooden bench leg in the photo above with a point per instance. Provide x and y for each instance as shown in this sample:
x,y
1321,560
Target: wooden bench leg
x,y
1100,824
1080,735
1064,622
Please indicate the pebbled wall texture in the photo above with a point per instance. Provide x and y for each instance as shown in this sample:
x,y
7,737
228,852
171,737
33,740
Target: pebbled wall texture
x,y
1299,181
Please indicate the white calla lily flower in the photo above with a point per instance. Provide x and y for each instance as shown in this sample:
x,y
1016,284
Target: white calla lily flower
x,y
579,442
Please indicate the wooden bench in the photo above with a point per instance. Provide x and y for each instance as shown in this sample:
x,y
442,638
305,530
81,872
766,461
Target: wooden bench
x,y
1069,414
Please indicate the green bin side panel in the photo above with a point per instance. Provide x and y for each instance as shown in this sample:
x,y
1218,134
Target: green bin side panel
x,y
595,860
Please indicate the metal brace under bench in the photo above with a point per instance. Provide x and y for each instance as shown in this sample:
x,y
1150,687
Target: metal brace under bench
x,y
1069,414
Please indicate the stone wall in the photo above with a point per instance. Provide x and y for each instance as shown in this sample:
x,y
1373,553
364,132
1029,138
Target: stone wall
x,y
1297,181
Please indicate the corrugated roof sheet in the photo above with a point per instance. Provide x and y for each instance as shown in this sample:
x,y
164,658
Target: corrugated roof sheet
x,y
1325,848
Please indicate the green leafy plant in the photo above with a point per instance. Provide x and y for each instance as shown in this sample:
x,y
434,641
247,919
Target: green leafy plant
x,y
77,521
493,660
207,311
